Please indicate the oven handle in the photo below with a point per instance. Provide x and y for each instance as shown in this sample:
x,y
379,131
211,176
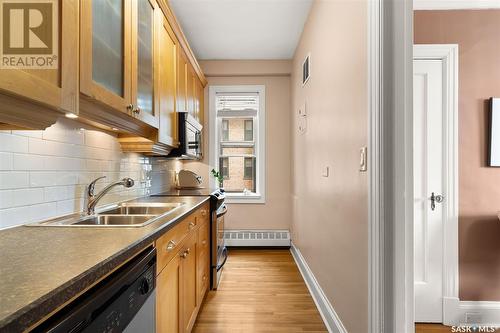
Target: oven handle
x,y
224,251
224,211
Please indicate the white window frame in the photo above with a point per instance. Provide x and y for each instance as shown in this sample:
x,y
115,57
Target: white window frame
x,y
259,135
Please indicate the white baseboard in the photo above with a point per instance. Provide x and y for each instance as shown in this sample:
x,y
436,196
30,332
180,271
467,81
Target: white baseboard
x,y
330,317
458,312
455,4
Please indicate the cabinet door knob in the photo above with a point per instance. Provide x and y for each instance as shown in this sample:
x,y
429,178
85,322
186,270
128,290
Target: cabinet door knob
x,y
130,107
171,245
203,242
203,212
137,110
185,253
191,225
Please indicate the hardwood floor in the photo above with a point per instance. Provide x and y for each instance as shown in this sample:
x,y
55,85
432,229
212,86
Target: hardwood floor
x,y
431,328
260,291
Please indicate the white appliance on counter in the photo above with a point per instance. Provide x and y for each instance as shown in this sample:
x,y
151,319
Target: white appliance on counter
x,y
187,179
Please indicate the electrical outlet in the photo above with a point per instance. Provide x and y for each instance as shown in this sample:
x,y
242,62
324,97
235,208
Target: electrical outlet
x,y
302,110
302,125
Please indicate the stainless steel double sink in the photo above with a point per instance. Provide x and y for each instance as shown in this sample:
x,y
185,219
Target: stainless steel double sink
x,y
127,214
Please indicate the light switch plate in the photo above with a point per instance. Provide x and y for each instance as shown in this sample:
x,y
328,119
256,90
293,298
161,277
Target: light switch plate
x,y
363,159
326,171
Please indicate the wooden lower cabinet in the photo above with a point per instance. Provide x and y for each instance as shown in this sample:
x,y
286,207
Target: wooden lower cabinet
x,y
168,297
189,301
182,282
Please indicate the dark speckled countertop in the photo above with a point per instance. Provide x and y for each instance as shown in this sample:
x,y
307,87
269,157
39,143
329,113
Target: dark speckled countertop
x,y
42,268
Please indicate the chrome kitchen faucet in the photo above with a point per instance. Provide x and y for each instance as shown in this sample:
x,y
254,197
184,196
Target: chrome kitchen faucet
x,y
92,199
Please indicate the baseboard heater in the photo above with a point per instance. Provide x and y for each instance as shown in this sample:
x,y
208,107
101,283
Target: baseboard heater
x,y
257,237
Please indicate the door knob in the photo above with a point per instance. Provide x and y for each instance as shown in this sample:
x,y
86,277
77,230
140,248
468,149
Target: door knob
x,y
436,199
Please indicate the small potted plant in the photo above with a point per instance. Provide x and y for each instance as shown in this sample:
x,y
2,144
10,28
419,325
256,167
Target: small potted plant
x,y
218,177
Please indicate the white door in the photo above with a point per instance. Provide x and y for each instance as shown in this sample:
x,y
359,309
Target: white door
x,y
428,157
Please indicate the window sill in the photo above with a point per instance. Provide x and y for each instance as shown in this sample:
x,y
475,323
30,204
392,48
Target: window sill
x,y
238,198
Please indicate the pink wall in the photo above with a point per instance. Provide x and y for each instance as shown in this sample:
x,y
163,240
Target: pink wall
x,y
478,35
330,214
275,213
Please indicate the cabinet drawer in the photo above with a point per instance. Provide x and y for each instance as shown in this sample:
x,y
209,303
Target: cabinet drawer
x,y
203,271
170,243
203,236
202,214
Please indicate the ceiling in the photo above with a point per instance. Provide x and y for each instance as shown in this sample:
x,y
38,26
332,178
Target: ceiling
x,y
242,29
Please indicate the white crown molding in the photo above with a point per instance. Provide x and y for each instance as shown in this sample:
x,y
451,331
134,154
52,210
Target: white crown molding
x,y
455,4
325,308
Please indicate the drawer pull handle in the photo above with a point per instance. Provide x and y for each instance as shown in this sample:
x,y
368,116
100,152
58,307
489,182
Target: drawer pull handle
x,y
171,245
191,225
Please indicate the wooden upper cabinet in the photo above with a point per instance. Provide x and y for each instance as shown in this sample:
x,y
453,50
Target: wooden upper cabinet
x,y
167,64
182,81
145,53
34,98
199,101
105,53
191,78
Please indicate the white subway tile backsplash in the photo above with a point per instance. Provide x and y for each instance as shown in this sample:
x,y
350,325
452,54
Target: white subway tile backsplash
x,y
13,143
69,206
65,131
13,179
6,199
27,196
44,174
28,162
6,161
15,216
32,134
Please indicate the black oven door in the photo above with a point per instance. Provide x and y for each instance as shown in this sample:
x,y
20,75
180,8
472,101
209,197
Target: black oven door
x,y
221,250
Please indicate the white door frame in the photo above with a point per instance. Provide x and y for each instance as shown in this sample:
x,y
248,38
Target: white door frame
x,y
375,170
391,278
390,215
448,54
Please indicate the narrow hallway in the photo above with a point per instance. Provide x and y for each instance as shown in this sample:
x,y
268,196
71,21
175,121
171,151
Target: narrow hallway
x,y
260,291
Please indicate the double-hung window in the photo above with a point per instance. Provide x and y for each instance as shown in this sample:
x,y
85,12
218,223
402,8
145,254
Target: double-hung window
x,y
237,137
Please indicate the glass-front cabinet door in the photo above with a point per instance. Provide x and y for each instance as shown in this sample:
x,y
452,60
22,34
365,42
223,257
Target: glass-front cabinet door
x,y
105,65
144,55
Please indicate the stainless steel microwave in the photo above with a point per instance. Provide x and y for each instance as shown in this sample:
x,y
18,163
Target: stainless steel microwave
x,y
190,138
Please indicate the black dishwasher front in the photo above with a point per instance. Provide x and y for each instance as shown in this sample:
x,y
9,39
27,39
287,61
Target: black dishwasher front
x,y
122,302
